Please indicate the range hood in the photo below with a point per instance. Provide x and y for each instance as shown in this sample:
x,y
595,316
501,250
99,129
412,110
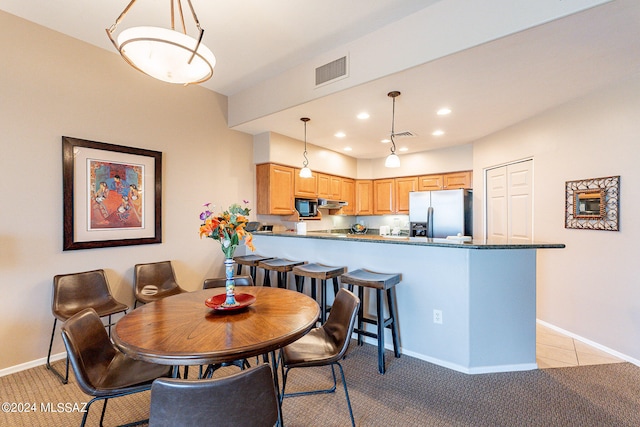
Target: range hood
x,y
331,204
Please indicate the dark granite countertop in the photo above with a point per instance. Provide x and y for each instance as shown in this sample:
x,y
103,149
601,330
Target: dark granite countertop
x,y
342,235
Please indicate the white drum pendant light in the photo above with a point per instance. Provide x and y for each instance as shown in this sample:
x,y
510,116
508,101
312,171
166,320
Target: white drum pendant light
x,y
393,161
305,172
163,53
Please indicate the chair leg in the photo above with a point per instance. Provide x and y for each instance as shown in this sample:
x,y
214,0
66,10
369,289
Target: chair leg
x,y
266,281
285,373
323,305
346,393
282,279
64,379
391,300
104,409
380,310
336,286
360,314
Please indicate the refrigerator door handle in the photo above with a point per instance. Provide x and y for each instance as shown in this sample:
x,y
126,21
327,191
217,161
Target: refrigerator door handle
x,y
430,222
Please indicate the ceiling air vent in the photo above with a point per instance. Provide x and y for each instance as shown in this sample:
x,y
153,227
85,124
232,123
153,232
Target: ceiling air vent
x,y
405,134
332,71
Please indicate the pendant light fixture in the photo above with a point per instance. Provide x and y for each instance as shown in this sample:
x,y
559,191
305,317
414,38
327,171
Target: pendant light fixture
x,y
305,172
165,54
393,161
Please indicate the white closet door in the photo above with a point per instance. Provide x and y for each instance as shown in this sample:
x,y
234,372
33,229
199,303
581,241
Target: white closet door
x,y
510,201
497,205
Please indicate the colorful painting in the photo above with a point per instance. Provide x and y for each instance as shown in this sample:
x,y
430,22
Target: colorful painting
x,y
112,195
116,195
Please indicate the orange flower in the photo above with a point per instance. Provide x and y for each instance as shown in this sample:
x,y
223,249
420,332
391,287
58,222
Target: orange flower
x,y
228,227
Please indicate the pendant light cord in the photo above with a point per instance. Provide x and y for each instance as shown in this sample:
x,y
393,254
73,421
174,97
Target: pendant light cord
x,y
306,160
393,95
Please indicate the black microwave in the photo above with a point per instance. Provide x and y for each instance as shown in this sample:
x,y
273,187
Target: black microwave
x,y
307,207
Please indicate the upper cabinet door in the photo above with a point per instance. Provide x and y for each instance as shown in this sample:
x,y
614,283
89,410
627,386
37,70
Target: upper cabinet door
x,y
383,196
306,187
274,188
324,186
455,180
430,182
402,188
329,186
348,194
364,197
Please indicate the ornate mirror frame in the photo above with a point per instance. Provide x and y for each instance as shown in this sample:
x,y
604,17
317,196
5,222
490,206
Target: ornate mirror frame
x,y
593,204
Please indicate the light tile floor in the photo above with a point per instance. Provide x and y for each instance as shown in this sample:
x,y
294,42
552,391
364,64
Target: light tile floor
x,y
555,350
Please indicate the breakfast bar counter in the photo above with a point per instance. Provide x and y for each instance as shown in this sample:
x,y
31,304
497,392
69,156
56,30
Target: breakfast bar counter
x,y
484,291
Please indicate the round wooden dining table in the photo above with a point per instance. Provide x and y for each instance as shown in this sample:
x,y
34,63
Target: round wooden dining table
x,y
181,330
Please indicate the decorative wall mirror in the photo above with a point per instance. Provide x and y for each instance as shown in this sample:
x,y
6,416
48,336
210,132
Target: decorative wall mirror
x,y
593,203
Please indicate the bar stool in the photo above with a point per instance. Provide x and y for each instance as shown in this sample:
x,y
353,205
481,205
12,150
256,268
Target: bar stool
x,y
280,265
250,261
380,282
324,273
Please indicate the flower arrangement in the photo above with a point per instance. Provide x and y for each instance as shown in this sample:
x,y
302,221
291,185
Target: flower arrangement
x,y
227,227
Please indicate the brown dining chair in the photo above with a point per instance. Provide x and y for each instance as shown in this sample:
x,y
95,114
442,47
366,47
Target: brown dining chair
x,y
154,281
246,398
323,346
101,370
75,292
221,282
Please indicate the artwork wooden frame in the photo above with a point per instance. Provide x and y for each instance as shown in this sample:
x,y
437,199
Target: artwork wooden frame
x,y
112,195
593,204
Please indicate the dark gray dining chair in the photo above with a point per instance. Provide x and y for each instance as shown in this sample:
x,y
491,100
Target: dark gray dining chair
x,y
154,281
247,398
73,293
324,346
101,370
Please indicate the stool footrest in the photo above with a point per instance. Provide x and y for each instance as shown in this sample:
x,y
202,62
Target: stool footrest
x,y
387,322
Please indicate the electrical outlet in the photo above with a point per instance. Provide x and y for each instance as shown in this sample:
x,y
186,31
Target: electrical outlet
x,y
437,316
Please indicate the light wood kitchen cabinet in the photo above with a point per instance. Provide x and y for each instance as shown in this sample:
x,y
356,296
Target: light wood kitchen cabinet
x,y
430,182
446,181
328,187
402,188
274,187
348,194
305,187
456,180
384,201
364,197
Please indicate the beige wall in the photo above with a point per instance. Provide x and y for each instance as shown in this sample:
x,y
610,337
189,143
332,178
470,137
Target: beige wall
x,y
52,85
591,287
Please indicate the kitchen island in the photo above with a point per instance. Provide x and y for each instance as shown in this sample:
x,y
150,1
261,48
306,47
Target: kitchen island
x,y
484,291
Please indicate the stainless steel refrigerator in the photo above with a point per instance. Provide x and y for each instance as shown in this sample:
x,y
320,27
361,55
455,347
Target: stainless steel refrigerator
x,y
440,213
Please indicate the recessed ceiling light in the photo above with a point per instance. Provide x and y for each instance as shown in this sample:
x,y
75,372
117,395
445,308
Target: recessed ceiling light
x,y
444,111
340,135
385,141
403,149
347,149
437,132
363,116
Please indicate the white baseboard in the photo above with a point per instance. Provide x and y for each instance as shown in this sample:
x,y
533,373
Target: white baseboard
x,y
31,364
589,342
454,366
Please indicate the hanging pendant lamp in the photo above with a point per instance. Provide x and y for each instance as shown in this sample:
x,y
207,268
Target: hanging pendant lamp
x,y
305,172
163,53
392,160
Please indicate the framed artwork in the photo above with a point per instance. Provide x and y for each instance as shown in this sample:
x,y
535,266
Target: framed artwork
x,y
593,204
112,195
